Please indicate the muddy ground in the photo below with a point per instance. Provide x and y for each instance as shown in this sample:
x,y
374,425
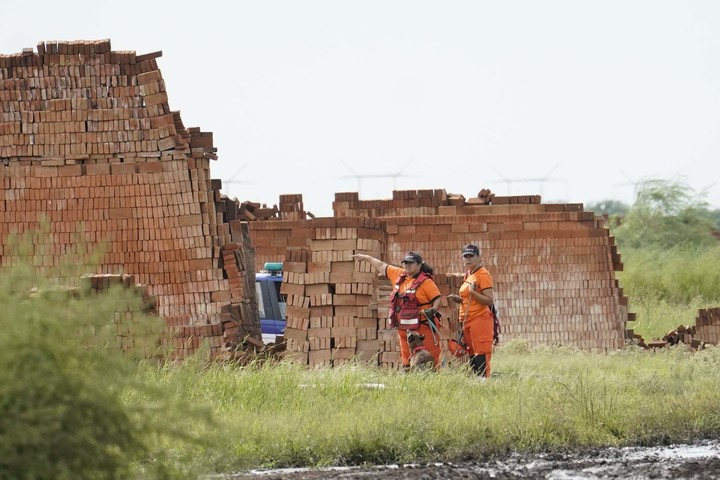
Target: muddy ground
x,y
697,461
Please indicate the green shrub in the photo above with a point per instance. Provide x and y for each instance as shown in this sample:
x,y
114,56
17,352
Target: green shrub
x,y
64,380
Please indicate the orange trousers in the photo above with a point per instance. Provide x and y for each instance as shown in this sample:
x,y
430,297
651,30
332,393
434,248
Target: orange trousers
x,y
432,343
478,334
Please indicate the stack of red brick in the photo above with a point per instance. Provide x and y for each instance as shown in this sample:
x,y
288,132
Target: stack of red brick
x,y
332,305
553,264
89,143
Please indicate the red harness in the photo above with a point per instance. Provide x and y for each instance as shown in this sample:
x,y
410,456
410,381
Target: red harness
x,y
404,307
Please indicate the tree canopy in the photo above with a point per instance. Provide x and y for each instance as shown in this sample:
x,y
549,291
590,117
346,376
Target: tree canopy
x,y
666,214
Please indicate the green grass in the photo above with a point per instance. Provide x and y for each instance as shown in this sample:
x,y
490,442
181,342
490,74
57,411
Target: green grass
x,y
283,415
221,418
666,288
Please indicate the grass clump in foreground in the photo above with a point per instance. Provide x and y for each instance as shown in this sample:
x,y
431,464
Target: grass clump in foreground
x,y
283,415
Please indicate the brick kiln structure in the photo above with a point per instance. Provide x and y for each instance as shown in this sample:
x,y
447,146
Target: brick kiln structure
x,y
88,142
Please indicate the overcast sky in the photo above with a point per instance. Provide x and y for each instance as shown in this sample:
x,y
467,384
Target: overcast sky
x,y
574,100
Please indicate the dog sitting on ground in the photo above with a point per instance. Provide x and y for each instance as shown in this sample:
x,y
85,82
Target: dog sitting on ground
x,y
420,357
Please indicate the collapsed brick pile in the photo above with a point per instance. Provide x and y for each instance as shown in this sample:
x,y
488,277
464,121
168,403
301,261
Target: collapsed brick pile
x,y
291,208
706,331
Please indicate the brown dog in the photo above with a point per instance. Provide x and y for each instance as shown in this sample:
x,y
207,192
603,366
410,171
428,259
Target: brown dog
x,y
420,357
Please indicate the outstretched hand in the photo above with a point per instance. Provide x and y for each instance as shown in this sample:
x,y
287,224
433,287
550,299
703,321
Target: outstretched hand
x,y
374,262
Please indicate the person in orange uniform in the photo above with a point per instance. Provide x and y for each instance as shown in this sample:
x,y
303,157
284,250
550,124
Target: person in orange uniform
x,y
476,296
414,302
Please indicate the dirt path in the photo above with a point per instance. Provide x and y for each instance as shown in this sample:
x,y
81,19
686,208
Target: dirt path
x,y
698,461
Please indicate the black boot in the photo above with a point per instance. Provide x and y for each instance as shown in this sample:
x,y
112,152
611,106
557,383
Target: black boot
x,y
479,365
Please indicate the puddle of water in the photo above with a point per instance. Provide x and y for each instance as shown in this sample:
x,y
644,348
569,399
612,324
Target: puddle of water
x,y
656,455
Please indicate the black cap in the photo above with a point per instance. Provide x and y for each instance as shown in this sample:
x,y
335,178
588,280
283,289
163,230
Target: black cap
x,y
471,250
412,257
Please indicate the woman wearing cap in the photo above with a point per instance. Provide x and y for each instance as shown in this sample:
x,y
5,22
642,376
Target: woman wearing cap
x,y
476,296
414,302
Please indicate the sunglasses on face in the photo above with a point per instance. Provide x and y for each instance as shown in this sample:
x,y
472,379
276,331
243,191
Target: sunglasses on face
x,y
409,263
469,255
